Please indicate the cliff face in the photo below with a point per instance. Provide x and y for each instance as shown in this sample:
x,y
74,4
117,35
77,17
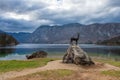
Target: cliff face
x,y
7,40
62,34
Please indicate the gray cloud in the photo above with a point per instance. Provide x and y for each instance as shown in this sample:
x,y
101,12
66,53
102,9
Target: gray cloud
x,y
115,3
11,25
27,15
11,5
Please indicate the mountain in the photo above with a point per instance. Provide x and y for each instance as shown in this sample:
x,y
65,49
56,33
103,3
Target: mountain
x,y
112,41
62,34
7,40
21,37
1,32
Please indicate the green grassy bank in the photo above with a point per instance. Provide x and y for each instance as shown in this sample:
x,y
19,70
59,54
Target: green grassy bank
x,y
13,65
111,62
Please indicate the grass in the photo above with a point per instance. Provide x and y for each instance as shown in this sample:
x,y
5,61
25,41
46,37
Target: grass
x,y
109,61
16,65
111,73
57,74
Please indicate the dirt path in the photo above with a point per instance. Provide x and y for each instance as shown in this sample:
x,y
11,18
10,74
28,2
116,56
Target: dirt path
x,y
57,65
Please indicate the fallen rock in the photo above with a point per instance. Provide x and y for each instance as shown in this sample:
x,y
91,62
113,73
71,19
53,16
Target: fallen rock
x,y
39,54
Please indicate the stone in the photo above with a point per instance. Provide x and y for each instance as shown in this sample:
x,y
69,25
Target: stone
x,y
39,54
76,55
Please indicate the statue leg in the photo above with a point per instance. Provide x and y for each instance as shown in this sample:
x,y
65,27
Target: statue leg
x,y
71,41
76,42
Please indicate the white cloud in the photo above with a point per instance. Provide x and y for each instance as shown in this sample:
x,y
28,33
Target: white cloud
x,y
43,22
13,15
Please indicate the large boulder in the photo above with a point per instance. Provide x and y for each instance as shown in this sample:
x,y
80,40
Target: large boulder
x,y
39,54
76,55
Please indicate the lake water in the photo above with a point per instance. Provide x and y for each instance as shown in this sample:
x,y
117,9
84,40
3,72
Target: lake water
x,y
56,50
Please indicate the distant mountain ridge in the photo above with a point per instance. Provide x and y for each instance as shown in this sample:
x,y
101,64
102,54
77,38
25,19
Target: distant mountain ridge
x,y
61,34
21,37
1,32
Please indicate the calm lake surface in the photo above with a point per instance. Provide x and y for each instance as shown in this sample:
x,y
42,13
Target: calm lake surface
x,y
57,50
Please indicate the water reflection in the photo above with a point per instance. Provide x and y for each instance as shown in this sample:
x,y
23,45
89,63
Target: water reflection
x,y
5,51
19,51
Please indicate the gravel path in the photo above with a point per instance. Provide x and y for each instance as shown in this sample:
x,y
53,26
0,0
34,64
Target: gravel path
x,y
57,65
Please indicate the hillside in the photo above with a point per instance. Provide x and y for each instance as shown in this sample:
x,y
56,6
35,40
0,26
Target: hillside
x,y
112,41
7,40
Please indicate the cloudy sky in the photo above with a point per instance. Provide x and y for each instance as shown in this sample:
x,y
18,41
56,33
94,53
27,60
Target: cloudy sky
x,y
27,15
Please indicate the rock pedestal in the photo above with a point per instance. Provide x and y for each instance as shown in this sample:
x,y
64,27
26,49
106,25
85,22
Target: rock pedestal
x,y
76,55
